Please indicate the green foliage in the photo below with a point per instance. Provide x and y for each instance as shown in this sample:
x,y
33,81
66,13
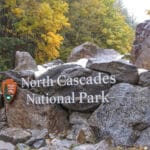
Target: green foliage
x,y
41,21
35,26
98,21
10,42
3,64
31,26
8,47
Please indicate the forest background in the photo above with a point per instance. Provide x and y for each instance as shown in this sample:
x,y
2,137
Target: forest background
x,y
49,29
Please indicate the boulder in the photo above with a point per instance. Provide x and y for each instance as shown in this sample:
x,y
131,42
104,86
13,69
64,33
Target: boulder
x,y
90,50
14,135
89,89
53,74
21,114
6,146
37,135
144,79
127,114
24,61
69,72
80,131
122,70
141,46
144,138
86,50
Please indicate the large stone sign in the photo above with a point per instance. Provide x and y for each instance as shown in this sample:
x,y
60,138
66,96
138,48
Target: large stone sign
x,y
62,106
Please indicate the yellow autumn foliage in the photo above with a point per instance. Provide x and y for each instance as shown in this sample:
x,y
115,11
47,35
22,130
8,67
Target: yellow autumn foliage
x,y
100,22
18,11
39,22
10,3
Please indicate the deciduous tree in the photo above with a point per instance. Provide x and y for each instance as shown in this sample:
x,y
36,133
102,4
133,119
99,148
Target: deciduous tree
x,y
41,21
98,21
36,24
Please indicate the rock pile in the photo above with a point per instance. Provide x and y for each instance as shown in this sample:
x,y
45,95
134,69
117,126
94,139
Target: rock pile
x,y
123,120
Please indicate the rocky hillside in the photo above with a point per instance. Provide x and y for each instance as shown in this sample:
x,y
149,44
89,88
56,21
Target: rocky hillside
x,y
100,102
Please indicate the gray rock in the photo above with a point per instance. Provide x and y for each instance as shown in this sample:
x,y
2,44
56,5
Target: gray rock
x,y
55,71
47,148
85,147
39,134
3,120
6,146
39,143
102,145
53,148
144,138
123,71
52,135
36,136
144,79
79,118
53,74
141,46
22,146
90,89
109,54
17,75
53,63
125,116
24,61
14,135
76,71
69,72
34,116
86,50
90,50
82,134
57,144
80,131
